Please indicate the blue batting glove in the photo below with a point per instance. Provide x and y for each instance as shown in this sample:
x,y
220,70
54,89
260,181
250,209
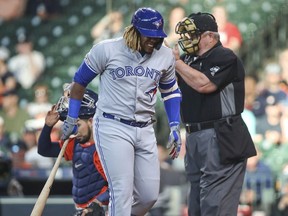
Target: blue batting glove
x,y
69,127
174,142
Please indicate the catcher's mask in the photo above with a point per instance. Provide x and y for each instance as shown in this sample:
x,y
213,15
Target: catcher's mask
x,y
189,35
88,104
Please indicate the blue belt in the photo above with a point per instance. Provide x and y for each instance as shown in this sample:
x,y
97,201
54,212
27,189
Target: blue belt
x,y
128,122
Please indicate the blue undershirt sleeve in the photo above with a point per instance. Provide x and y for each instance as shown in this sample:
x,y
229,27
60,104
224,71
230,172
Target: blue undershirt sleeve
x,y
46,147
84,75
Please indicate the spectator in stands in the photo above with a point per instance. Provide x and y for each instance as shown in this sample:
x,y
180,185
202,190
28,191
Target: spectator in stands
x,y
7,79
45,9
5,141
274,151
283,62
110,26
230,36
39,107
30,138
12,9
8,184
270,121
258,187
284,121
270,91
250,91
280,206
247,114
14,116
175,16
170,197
250,120
28,64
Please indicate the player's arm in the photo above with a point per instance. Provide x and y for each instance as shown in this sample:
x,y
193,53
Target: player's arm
x,y
172,97
194,78
82,78
46,147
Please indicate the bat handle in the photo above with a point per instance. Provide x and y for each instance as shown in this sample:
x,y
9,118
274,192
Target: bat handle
x,y
42,199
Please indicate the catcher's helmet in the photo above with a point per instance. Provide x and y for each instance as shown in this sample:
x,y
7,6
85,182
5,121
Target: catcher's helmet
x,y
149,23
87,109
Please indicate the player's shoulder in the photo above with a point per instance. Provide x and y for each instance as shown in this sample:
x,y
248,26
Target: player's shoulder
x,y
164,50
220,53
110,42
108,45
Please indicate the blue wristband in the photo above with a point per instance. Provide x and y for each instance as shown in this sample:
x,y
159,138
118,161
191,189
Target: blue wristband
x,y
74,107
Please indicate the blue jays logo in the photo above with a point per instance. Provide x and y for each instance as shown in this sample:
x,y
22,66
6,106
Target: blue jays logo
x,y
158,23
151,93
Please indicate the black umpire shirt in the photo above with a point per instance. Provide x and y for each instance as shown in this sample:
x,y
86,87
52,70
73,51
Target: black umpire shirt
x,y
226,71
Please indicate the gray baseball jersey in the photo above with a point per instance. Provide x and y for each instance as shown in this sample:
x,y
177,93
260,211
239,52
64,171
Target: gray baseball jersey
x,y
129,81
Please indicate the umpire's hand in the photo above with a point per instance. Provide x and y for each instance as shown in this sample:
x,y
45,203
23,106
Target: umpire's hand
x,y
174,142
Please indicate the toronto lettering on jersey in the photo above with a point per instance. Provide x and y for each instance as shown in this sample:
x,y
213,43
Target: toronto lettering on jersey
x,y
121,72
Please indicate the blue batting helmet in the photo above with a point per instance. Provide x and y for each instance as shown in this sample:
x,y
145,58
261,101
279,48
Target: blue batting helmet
x,y
87,109
149,23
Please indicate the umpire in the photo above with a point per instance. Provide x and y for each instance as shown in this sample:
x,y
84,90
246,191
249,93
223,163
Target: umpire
x,y
218,143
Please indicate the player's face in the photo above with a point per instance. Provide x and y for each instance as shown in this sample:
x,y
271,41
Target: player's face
x,y
83,131
148,44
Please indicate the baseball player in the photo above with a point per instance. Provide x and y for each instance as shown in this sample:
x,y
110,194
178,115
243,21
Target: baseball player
x,y
218,142
131,69
90,188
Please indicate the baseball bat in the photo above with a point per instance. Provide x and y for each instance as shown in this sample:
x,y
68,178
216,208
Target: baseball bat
x,y
42,198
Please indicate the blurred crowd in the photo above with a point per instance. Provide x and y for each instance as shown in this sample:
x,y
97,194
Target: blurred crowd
x,y
265,189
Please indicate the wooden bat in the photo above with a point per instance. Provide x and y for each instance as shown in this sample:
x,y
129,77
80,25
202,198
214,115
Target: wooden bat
x,y
42,198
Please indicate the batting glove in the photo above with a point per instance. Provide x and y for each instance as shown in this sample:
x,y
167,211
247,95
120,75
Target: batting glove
x,y
69,127
174,142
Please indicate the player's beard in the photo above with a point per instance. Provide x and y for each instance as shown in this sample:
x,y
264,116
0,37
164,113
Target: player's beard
x,y
84,138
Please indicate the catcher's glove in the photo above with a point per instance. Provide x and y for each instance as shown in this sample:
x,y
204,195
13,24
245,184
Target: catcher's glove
x,y
94,209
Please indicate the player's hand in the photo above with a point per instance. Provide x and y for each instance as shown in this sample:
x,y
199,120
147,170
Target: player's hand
x,y
69,127
52,117
174,142
94,209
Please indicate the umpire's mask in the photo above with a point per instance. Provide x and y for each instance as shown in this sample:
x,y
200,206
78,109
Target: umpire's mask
x,y
189,36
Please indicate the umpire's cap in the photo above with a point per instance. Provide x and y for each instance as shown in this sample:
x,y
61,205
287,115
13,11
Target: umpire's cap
x,y
149,22
204,22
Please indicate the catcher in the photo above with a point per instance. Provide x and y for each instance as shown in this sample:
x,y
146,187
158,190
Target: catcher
x,y
90,189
